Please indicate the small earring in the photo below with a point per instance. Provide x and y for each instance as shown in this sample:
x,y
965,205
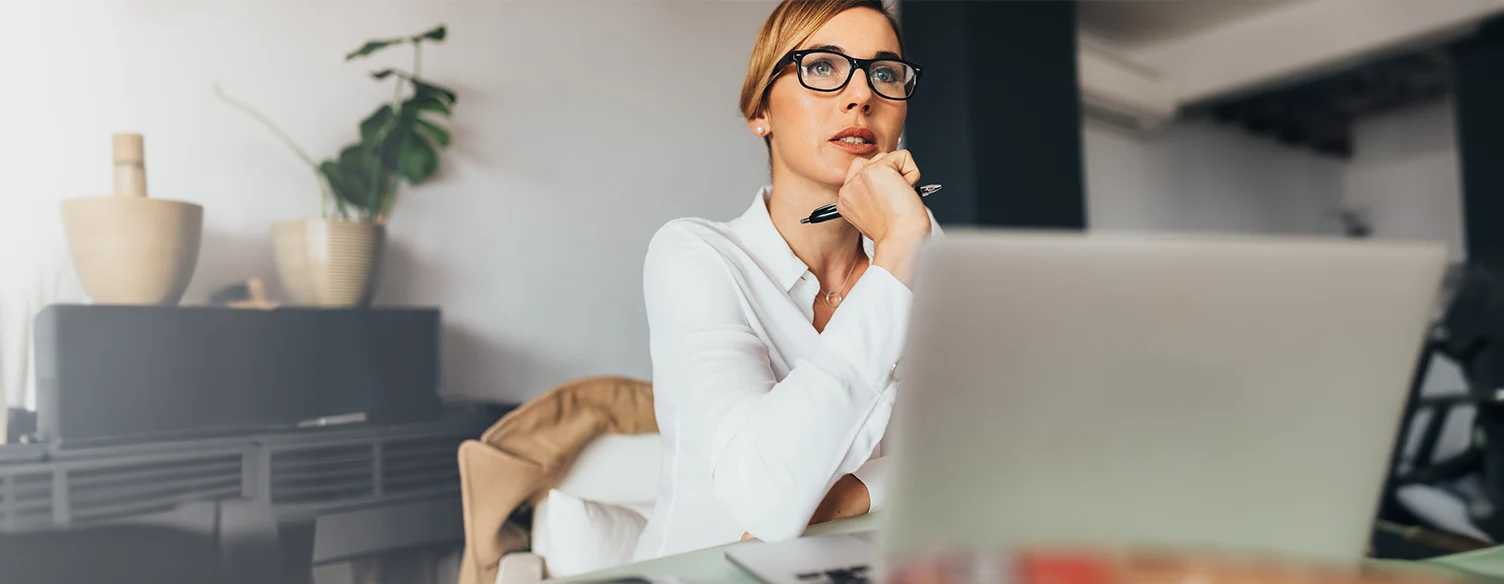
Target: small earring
x,y
759,130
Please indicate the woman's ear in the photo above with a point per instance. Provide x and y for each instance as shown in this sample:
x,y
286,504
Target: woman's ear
x,y
760,126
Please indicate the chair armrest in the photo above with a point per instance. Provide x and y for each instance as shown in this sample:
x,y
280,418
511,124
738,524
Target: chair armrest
x,y
520,568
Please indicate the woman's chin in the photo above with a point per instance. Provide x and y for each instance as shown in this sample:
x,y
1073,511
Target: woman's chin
x,y
836,167
828,171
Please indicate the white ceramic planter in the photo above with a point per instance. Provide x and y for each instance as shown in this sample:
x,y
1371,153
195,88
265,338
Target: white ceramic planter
x,y
130,249
133,250
328,263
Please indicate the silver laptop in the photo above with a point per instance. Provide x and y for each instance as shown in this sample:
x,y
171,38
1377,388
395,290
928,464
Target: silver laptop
x,y
1217,393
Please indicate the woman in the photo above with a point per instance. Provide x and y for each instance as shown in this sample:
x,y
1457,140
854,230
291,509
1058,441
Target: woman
x,y
774,342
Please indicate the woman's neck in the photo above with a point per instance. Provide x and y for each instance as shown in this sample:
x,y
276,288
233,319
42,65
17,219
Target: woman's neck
x,y
828,248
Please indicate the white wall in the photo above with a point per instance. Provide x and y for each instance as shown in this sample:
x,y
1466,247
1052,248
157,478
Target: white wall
x,y
581,127
1405,175
1196,175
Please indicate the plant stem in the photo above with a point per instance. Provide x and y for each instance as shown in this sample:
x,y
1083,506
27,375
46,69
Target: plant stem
x,y
397,93
379,214
385,208
324,192
258,116
387,196
390,201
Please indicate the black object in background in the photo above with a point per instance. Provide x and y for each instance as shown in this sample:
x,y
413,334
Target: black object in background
x,y
1479,89
20,425
1471,334
997,117
137,371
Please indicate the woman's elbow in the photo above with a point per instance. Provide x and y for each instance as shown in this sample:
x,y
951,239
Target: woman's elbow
x,y
767,501
775,525
768,514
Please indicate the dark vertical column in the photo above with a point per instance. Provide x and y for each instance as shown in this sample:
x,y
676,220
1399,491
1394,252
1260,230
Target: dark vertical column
x,y
1478,69
938,130
997,119
1478,86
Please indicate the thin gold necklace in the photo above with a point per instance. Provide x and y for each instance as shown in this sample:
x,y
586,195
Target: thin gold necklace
x,y
834,297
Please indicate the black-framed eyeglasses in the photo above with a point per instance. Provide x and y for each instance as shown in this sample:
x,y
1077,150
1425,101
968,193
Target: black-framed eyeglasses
x,y
829,71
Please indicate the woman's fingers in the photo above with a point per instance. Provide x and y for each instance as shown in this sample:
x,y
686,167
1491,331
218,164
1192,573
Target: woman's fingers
x,y
903,162
878,196
898,160
857,164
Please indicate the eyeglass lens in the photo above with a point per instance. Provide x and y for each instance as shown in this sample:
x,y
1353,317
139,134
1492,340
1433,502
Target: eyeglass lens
x,y
830,72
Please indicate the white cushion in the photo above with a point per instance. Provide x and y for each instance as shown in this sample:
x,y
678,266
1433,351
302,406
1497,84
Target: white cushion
x,y
618,469
1441,509
575,536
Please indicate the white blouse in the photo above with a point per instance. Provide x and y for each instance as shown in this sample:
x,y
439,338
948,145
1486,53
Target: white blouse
x,y
759,413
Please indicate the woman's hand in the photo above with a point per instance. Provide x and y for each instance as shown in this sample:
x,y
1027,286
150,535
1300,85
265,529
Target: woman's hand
x,y
879,200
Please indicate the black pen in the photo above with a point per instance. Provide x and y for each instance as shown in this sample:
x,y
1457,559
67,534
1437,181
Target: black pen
x,y
829,212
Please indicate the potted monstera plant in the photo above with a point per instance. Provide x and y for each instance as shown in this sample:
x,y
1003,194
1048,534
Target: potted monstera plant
x,y
334,261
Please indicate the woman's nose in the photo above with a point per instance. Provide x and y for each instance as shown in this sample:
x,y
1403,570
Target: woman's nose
x,y
858,92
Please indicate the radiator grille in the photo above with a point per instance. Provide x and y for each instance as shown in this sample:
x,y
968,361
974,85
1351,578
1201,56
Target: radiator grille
x,y
419,465
101,493
301,474
324,474
27,500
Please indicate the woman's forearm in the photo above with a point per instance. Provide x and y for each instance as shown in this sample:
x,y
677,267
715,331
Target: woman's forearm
x,y
847,498
897,256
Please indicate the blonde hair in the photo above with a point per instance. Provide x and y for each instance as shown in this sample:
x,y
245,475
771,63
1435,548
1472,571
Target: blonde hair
x,y
790,24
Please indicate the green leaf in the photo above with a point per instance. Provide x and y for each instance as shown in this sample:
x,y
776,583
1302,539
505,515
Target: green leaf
x,y
372,125
429,103
417,161
382,74
346,190
352,177
371,47
435,91
436,133
436,34
389,146
335,178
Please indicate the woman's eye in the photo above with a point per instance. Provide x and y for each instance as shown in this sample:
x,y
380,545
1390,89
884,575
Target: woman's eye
x,y
885,75
822,68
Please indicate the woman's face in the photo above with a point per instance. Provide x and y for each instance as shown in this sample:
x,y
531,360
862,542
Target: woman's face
x,y
817,134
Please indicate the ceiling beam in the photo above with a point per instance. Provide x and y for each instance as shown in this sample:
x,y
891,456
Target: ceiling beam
x,y
1303,39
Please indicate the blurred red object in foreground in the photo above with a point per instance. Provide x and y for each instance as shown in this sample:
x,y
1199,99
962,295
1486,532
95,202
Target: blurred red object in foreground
x,y
1085,567
1062,568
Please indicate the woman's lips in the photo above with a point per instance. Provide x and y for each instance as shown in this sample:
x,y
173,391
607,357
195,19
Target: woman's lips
x,y
855,148
855,140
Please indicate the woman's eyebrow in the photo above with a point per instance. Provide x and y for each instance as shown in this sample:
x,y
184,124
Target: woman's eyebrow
x,y
838,49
